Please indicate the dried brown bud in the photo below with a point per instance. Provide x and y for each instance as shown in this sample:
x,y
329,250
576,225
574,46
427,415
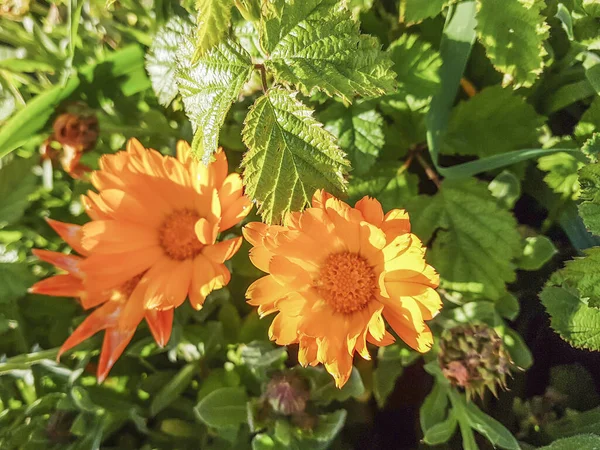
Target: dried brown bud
x,y
287,394
474,358
77,132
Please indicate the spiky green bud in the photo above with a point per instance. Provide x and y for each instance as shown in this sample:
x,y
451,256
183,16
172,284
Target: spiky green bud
x,y
474,357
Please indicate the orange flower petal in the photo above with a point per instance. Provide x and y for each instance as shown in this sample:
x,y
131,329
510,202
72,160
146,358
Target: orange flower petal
x,y
114,344
371,210
59,286
222,251
70,233
70,263
160,324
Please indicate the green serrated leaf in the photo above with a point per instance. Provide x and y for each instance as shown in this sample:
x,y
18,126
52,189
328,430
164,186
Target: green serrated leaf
x,y
589,208
17,182
394,189
416,65
562,173
583,274
208,88
591,7
162,57
591,148
513,33
494,121
359,131
289,156
574,321
590,121
415,11
475,240
538,250
315,45
213,20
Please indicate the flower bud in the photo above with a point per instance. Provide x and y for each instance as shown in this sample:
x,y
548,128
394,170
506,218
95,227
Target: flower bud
x,y
287,394
474,357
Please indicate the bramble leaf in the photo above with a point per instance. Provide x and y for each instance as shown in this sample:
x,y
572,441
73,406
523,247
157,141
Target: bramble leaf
x,y
416,65
590,121
208,87
316,45
386,184
359,131
475,240
562,173
574,321
513,33
289,155
162,57
538,251
589,208
415,11
494,121
591,148
583,275
213,21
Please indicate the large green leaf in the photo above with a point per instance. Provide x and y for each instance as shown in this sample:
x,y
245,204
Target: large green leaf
x,y
209,87
415,11
589,209
590,121
513,33
359,130
562,173
316,45
213,17
162,57
475,240
494,121
584,441
324,390
391,185
575,321
15,279
16,183
289,155
223,408
416,65
582,274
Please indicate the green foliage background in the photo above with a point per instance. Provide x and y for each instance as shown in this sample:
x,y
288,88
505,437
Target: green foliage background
x,y
480,117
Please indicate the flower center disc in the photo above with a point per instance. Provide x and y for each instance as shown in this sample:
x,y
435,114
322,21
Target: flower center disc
x,y
347,282
177,236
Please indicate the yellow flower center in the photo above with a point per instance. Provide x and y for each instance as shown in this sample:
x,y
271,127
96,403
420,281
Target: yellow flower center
x,y
177,236
347,282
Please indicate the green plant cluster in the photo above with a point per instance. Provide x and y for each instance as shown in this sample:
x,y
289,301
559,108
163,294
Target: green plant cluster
x,y
481,118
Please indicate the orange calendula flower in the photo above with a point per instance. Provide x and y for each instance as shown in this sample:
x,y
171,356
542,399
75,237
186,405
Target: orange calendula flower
x,y
151,243
335,273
